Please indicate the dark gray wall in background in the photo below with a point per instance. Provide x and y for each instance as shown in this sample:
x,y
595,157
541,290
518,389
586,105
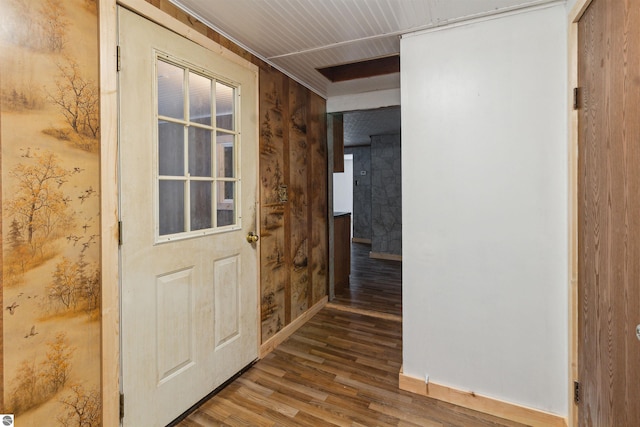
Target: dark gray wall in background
x,y
377,195
361,191
386,195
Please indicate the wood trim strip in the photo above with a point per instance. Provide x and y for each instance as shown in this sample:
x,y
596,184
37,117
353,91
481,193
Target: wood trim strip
x,y
257,214
309,189
110,309
362,69
286,173
337,130
572,148
489,16
361,311
361,240
389,257
270,344
578,10
487,405
330,218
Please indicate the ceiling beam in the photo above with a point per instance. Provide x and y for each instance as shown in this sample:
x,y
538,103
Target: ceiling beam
x,y
362,69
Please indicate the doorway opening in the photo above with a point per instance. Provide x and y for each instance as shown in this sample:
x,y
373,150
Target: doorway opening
x,y
373,198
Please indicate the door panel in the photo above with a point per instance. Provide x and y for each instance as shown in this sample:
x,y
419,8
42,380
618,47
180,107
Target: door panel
x,y
227,289
609,213
188,193
175,325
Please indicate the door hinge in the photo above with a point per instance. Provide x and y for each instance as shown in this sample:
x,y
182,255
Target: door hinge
x,y
118,63
576,392
121,406
119,233
576,98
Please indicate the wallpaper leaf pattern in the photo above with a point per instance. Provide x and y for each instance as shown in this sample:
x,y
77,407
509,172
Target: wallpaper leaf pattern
x,y
51,282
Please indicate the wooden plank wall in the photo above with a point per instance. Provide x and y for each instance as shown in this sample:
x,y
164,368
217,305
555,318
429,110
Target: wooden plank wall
x,y
293,174
294,225
318,209
298,196
274,247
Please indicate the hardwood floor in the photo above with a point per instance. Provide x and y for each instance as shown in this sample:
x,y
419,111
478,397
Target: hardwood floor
x,y
375,285
339,369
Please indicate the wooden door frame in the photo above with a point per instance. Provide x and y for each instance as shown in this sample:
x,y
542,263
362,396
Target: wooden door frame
x,y
574,16
110,310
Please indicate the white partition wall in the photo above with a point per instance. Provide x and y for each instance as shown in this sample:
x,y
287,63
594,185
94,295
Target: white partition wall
x,y
484,162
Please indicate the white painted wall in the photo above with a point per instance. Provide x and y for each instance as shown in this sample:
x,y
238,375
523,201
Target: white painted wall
x,y
484,162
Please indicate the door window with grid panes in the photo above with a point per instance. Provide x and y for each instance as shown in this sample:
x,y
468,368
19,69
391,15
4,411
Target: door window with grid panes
x,y
197,145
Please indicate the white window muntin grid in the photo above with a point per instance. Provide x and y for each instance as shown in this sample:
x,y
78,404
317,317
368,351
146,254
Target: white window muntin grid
x,y
237,178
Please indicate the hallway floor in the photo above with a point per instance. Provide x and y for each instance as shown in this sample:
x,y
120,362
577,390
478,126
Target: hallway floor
x,y
375,285
340,368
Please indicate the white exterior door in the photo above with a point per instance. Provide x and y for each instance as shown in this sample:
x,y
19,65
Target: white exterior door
x,y
188,200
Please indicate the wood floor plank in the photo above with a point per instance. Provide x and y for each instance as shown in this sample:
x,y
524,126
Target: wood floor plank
x,y
226,410
271,370
407,417
339,369
291,350
267,402
281,383
309,408
358,413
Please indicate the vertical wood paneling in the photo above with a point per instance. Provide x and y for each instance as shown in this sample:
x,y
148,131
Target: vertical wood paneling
x,y
287,212
318,213
293,176
338,142
273,256
298,198
341,252
609,224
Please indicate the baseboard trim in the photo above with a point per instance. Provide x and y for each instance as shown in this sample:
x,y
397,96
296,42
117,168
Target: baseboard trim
x,y
487,405
269,345
389,257
355,310
361,240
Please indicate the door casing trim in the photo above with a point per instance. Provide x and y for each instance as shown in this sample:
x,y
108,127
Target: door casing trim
x,y
572,146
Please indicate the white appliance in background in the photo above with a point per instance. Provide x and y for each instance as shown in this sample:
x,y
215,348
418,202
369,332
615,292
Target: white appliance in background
x,y
343,188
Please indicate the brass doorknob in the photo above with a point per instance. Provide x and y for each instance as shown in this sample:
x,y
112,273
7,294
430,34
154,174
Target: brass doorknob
x,y
252,237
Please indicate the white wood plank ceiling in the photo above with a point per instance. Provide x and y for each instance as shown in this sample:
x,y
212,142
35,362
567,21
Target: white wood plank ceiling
x,y
298,36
